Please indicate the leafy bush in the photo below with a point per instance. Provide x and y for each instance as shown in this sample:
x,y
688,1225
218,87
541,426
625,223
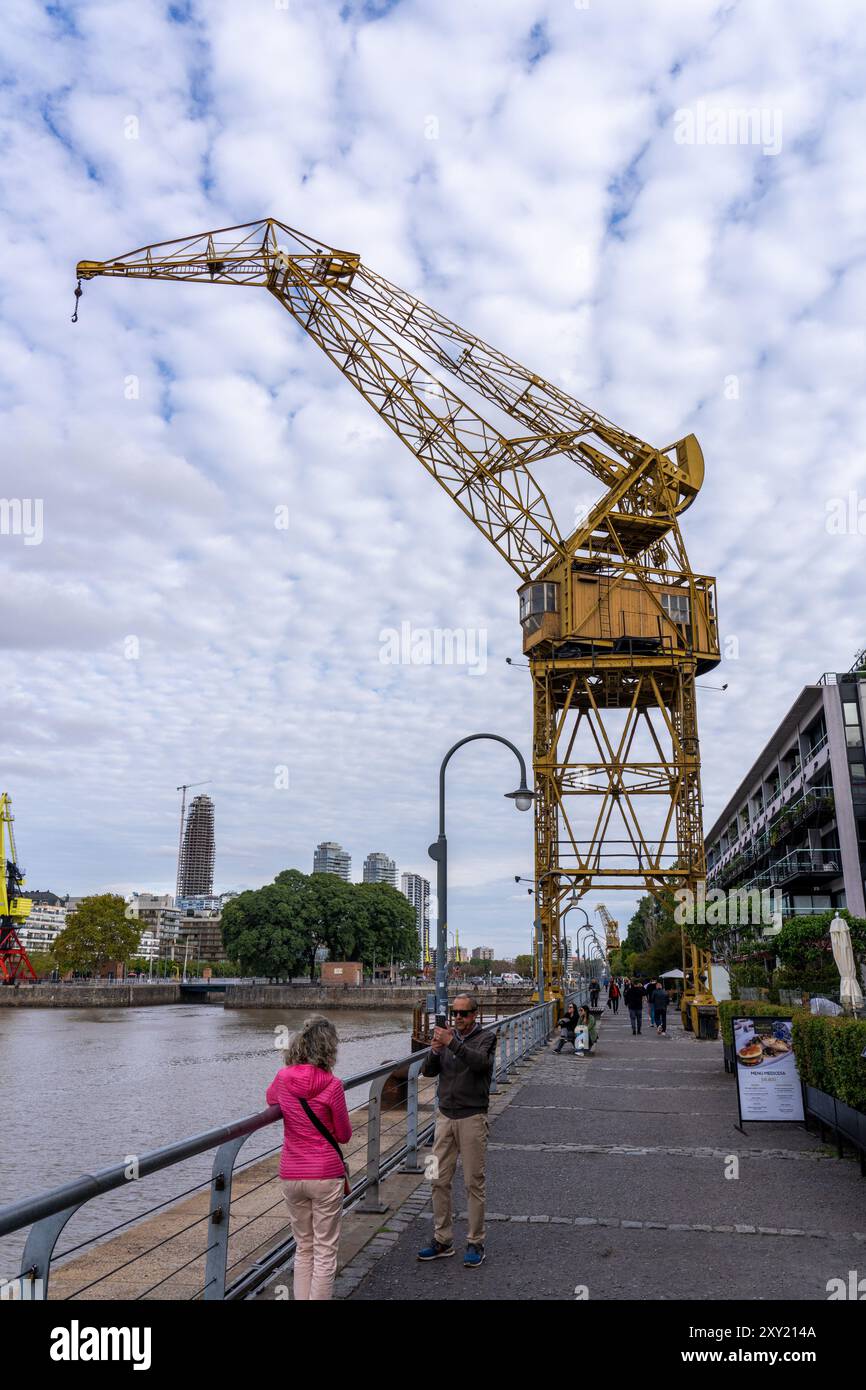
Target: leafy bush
x,y
743,1008
811,1046
821,978
749,975
804,942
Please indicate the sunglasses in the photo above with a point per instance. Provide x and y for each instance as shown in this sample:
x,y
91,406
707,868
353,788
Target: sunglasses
x,y
463,1013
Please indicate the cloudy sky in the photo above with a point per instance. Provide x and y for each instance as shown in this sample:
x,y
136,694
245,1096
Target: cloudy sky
x,y
570,181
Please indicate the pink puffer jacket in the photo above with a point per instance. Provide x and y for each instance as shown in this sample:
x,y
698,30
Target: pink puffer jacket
x,y
305,1153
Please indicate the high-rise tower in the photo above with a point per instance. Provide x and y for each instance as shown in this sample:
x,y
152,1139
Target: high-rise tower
x,y
331,858
417,890
379,868
197,854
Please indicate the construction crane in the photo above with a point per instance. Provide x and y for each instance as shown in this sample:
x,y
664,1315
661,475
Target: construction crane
x,y
14,910
611,929
616,626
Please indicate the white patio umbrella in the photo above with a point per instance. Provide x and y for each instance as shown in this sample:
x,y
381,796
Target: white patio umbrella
x,y
843,954
673,975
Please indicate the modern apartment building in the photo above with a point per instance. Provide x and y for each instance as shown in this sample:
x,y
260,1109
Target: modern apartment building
x,y
200,935
482,953
46,920
417,890
156,915
331,858
378,868
796,823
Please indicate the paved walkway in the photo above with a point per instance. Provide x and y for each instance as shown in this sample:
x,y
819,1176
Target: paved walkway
x,y
607,1174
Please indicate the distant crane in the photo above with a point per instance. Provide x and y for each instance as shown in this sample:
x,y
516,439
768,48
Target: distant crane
x,y
184,787
14,910
611,928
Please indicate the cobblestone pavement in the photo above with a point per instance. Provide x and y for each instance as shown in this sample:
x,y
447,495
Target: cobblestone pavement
x,y
606,1178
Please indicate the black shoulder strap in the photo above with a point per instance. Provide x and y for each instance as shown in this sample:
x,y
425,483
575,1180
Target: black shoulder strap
x,y
323,1129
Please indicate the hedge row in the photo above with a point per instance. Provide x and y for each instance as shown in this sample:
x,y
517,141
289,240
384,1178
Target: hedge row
x,y
829,1050
830,1056
743,1008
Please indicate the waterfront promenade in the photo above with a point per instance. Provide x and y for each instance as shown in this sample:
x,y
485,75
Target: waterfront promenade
x,y
606,1179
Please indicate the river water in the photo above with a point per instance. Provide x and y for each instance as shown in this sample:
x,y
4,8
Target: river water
x,y
84,1088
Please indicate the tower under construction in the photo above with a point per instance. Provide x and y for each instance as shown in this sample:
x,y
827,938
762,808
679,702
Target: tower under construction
x,y
197,852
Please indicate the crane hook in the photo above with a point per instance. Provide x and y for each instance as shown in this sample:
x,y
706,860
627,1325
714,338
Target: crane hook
x,y
78,293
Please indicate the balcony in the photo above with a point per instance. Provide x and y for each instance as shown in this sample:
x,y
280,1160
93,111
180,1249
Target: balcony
x,y
807,864
812,808
816,748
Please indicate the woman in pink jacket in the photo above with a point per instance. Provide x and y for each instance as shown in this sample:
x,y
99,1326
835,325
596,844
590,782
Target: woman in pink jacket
x,y
312,1172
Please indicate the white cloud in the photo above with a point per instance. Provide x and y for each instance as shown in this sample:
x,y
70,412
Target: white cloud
x,y
553,214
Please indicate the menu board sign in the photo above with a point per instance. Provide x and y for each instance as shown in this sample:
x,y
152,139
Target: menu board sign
x,y
768,1083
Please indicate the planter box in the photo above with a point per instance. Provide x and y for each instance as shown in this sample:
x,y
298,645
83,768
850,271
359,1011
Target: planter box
x,y
851,1124
822,1106
848,1125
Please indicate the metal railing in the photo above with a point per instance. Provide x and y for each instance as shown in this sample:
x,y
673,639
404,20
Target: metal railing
x,y
369,1163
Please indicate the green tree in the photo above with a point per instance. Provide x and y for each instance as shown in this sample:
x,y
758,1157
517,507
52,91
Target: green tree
x,y
96,933
388,929
806,954
331,916
523,966
263,929
43,963
666,953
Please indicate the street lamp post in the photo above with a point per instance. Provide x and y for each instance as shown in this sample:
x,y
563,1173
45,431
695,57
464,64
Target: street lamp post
x,y
438,851
539,944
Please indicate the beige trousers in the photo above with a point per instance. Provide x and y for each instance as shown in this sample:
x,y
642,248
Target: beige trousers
x,y
468,1139
315,1212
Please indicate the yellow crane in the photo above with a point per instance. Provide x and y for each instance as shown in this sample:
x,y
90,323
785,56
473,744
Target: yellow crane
x,y
611,929
14,909
616,625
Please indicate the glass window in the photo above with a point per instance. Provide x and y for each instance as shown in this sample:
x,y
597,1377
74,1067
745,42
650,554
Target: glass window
x,y
853,737
537,598
677,607
850,714
858,771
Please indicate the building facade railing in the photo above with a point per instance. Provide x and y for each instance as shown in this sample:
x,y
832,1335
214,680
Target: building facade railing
x,y
48,1213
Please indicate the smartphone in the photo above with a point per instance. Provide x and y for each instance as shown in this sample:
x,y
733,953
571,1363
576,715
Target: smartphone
x,y
441,1021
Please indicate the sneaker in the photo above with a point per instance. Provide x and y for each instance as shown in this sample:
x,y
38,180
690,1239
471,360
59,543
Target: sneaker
x,y
474,1256
436,1251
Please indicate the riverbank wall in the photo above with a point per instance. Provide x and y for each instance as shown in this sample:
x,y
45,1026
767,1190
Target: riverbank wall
x,y
72,996
306,998
330,998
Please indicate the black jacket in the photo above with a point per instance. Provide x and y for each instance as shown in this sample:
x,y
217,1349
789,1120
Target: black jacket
x,y
634,997
465,1070
660,999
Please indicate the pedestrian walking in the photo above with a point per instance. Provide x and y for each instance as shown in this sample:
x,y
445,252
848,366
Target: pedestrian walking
x,y
660,1008
613,996
594,991
649,991
634,1003
312,1170
463,1059
567,1025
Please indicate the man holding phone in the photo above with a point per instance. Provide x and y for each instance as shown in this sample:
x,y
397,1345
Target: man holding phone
x,y
463,1058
